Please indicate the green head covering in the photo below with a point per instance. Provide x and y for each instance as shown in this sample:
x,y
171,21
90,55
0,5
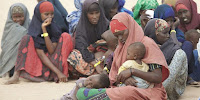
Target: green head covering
x,y
143,5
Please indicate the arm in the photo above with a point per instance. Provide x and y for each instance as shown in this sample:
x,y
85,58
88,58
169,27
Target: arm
x,y
173,34
154,77
50,46
46,61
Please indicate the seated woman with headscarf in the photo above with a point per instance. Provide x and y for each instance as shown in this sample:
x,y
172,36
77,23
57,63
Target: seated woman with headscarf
x,y
175,84
167,13
91,26
187,13
140,8
15,28
128,31
43,52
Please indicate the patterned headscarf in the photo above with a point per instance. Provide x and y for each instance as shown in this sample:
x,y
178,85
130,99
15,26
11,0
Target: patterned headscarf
x,y
161,25
143,5
17,9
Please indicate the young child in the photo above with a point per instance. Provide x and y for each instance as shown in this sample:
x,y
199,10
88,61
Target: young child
x,y
94,81
135,53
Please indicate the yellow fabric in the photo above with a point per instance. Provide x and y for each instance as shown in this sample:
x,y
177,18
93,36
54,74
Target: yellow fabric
x,y
172,31
133,64
45,34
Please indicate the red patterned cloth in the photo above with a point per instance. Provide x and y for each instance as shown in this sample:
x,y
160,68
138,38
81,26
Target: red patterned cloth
x,y
31,66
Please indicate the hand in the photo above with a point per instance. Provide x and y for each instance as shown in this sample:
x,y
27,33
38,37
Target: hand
x,y
124,75
144,19
62,77
46,22
99,69
131,81
176,23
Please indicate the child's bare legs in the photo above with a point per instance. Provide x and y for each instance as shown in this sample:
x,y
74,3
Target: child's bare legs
x,y
14,79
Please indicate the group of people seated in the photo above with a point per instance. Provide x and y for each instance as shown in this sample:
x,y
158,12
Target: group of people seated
x,y
149,53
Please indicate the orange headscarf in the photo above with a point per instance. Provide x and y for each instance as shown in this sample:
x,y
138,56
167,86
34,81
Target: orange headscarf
x,y
153,53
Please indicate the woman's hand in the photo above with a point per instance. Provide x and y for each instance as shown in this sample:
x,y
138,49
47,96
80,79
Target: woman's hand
x,y
176,23
144,19
131,81
62,77
46,22
124,75
99,69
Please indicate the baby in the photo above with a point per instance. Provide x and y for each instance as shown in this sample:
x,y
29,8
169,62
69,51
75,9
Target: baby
x,y
135,53
94,81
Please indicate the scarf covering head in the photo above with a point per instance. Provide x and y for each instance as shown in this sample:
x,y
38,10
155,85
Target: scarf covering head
x,y
122,9
106,6
169,47
181,6
119,27
17,9
35,29
143,5
87,33
12,34
195,17
153,54
74,17
170,2
45,7
165,11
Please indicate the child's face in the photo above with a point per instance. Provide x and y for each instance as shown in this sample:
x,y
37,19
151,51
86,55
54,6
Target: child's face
x,y
48,14
92,82
18,18
131,54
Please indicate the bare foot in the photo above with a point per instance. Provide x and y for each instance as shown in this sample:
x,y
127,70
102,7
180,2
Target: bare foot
x,y
12,80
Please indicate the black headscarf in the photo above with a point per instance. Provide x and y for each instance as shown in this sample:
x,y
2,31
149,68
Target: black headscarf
x,y
35,29
106,6
168,48
87,33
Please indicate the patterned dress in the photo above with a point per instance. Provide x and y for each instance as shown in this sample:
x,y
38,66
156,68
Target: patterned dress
x,y
176,82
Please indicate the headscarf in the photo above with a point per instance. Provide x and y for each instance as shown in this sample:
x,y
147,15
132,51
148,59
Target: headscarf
x,y
169,47
87,33
60,15
170,2
13,32
74,17
195,17
122,9
35,29
106,5
143,5
165,11
153,54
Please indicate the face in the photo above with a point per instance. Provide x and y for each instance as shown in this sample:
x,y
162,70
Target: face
x,y
122,35
92,82
184,16
114,10
163,36
93,17
131,54
45,15
18,18
170,21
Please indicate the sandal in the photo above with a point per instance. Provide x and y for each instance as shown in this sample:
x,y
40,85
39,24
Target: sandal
x,y
190,81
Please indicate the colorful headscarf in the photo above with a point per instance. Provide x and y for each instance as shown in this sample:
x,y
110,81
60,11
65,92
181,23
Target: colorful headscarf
x,y
12,34
161,25
117,26
169,47
35,29
17,9
143,5
122,9
136,34
87,33
46,6
165,11
195,20
74,17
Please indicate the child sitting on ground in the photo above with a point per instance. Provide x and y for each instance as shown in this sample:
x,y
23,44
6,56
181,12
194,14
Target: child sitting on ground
x,y
135,53
94,81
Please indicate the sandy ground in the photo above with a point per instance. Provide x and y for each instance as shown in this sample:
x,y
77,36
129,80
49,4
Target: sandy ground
x,y
27,90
